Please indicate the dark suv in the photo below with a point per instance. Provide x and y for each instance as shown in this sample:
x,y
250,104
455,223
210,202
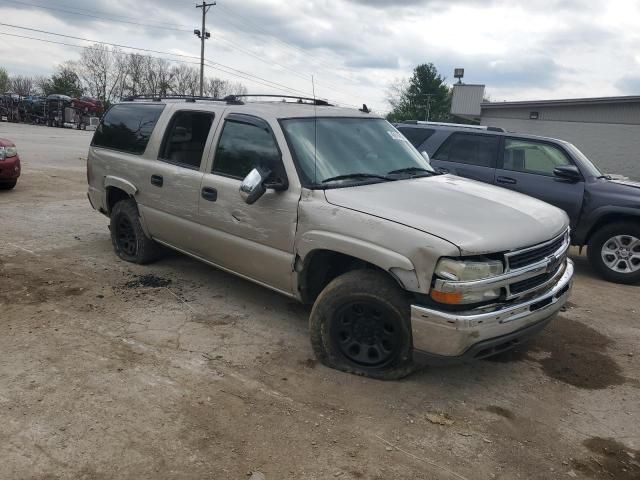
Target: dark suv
x,y
604,212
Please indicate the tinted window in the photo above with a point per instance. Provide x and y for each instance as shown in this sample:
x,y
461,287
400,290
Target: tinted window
x,y
245,146
329,147
480,150
127,127
186,137
417,136
532,157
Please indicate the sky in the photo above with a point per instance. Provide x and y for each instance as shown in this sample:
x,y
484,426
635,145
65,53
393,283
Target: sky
x,y
354,49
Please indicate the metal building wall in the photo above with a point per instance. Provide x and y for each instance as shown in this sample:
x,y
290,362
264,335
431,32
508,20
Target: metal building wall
x,y
615,113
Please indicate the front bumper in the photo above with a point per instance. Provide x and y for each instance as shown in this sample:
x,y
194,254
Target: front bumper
x,y
9,168
447,337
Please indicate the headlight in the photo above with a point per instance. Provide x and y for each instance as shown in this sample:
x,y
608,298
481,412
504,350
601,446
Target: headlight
x,y
465,270
8,152
449,269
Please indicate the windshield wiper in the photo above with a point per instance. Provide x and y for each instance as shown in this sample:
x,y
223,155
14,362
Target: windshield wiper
x,y
412,170
349,176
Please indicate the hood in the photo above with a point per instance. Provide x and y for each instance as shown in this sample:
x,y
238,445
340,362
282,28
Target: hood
x,y
626,183
476,217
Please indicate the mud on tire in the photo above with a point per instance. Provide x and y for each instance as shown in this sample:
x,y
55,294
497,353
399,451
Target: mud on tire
x,y
360,323
127,236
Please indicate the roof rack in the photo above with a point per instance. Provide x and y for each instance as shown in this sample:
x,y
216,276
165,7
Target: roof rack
x,y
229,99
457,125
159,98
312,101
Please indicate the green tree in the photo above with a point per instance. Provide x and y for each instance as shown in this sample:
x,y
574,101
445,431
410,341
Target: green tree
x,y
64,82
425,96
4,80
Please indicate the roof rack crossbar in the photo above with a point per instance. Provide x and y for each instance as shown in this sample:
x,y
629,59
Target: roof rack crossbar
x,y
301,99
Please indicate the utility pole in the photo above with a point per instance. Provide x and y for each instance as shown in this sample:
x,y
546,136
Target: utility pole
x,y
203,35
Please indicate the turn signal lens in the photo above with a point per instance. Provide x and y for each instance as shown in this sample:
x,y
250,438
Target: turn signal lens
x,y
444,297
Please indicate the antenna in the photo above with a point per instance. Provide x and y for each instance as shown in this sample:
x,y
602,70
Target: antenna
x,y
315,127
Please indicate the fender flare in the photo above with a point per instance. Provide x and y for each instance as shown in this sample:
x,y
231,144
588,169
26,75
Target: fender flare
x,y
381,257
586,229
122,184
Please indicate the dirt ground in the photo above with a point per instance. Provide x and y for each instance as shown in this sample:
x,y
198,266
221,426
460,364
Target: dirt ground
x,y
179,371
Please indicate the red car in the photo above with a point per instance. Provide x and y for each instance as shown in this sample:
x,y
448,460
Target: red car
x,y
9,165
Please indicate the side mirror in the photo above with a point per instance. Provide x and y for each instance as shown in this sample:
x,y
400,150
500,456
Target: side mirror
x,y
426,157
252,187
568,173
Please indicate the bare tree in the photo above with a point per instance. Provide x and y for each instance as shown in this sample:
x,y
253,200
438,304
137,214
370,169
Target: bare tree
x,y
218,88
186,80
21,84
4,80
102,70
158,77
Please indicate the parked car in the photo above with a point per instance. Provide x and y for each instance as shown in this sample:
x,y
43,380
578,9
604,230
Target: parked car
x,y
604,212
335,208
9,165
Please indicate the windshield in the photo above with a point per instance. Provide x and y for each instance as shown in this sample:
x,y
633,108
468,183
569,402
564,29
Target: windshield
x,y
589,168
351,150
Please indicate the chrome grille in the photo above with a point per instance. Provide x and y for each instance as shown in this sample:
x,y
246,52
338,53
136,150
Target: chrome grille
x,y
528,256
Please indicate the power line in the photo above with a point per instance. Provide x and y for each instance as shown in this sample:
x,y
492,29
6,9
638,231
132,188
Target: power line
x,y
232,44
96,14
215,65
288,45
124,53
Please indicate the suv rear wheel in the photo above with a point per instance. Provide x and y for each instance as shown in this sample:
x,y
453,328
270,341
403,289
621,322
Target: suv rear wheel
x,y
614,252
360,324
129,240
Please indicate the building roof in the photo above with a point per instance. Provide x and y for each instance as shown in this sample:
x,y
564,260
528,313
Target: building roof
x,y
563,102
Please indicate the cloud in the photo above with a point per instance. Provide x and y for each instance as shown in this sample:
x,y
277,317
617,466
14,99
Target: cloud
x,y
355,48
629,85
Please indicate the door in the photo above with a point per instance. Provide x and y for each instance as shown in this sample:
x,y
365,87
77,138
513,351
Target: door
x,y
252,240
468,155
527,166
172,189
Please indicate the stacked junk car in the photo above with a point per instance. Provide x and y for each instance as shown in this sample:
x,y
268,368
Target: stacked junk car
x,y
54,110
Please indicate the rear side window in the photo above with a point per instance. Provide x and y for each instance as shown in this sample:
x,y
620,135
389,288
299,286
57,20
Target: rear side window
x,y
417,136
127,127
479,150
185,138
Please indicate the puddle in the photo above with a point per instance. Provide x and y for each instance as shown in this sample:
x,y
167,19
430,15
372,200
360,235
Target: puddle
x,y
575,354
612,460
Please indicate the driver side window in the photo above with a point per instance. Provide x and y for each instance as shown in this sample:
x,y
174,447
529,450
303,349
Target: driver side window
x,y
532,157
245,146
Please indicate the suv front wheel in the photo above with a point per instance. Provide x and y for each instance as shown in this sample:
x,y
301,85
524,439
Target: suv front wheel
x,y
129,240
360,324
614,252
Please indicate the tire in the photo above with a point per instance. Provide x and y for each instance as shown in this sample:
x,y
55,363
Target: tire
x,y
614,252
8,185
129,240
360,324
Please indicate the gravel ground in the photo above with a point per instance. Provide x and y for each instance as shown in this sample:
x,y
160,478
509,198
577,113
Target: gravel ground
x,y
179,371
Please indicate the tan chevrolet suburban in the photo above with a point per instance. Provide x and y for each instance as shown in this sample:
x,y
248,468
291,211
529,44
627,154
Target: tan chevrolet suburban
x,y
335,208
